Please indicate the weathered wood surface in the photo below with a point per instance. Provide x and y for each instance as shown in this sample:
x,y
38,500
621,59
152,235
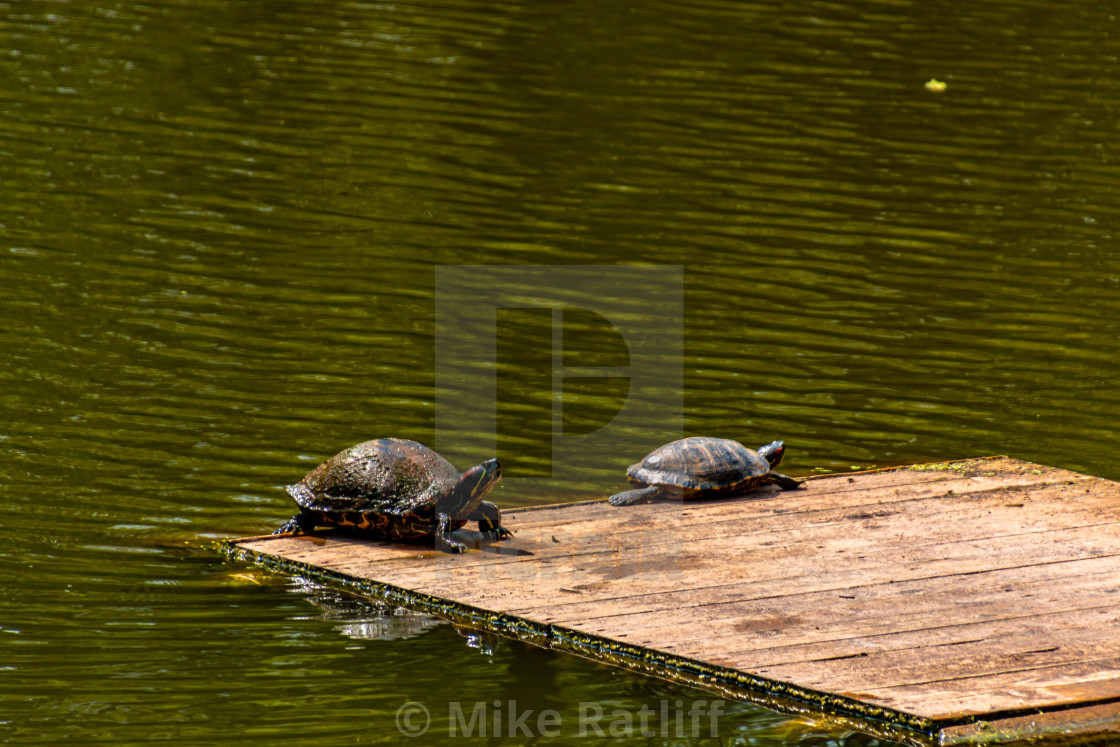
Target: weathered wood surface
x,y
981,588
1089,726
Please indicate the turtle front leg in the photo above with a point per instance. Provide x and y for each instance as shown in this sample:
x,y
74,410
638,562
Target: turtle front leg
x,y
785,482
489,518
301,523
443,535
641,495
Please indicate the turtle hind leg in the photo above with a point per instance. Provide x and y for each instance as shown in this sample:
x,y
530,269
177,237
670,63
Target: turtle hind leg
x,y
641,495
301,523
785,482
489,518
443,535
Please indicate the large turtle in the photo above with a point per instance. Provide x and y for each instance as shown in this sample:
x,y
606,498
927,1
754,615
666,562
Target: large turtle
x,y
397,490
703,467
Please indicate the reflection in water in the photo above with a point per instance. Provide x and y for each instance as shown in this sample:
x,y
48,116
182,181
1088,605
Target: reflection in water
x,y
222,225
361,618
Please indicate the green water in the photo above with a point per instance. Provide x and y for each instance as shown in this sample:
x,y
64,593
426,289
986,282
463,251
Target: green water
x,y
240,236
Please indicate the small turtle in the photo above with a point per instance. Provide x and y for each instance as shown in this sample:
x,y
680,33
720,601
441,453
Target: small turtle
x,y
703,467
397,490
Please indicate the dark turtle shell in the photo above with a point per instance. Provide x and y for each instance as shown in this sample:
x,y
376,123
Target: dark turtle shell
x,y
387,475
391,488
701,464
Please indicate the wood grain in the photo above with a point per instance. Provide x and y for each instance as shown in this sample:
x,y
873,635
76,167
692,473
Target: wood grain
x,y
979,588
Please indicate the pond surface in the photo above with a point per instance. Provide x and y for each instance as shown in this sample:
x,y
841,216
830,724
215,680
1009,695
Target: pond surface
x,y
238,237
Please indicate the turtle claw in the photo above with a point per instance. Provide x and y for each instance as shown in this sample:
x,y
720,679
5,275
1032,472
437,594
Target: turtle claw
x,y
500,533
489,519
492,529
298,524
443,536
785,482
450,546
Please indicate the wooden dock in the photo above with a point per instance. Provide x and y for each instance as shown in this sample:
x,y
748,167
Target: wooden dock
x,y
971,602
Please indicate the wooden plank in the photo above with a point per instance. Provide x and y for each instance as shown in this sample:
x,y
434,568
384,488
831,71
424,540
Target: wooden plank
x,y
632,574
935,594
1090,726
779,625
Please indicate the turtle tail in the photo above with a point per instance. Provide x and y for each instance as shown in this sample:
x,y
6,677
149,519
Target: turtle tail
x,y
630,497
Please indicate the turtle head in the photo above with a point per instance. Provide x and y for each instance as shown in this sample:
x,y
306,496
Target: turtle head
x,y
773,453
473,487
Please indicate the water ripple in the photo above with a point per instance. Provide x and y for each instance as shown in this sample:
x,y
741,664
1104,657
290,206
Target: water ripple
x,y
221,231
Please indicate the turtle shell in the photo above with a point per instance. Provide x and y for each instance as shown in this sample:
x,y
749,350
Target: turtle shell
x,y
701,465
390,486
